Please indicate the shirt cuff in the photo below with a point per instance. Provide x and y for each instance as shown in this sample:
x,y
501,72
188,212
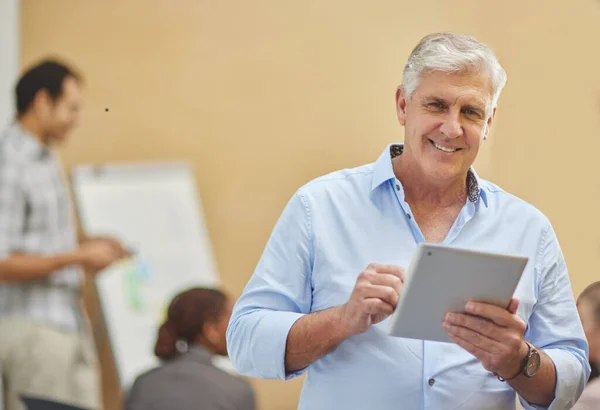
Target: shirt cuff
x,y
272,331
569,381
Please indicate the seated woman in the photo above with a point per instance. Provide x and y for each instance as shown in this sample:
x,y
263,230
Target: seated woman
x,y
187,379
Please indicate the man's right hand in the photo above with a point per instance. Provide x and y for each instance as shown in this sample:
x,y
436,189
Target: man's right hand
x,y
375,295
374,298
97,255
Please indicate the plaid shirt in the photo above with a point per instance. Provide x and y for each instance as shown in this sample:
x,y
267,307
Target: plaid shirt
x,y
36,217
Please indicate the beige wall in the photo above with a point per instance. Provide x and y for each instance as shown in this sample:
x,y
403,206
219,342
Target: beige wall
x,y
264,95
548,131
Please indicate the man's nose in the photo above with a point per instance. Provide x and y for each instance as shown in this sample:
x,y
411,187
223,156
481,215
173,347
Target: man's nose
x,y
451,127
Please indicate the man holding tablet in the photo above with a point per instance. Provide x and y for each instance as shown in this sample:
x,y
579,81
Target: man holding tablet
x,y
333,269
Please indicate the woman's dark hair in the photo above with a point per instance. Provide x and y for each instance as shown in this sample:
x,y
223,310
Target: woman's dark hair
x,y
187,314
47,75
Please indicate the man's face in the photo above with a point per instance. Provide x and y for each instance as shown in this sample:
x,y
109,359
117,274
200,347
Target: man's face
x,y
591,328
60,116
445,121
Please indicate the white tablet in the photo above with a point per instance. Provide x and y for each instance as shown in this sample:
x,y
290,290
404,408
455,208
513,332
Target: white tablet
x,y
441,279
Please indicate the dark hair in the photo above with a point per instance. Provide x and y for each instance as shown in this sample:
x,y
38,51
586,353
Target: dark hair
x,y
187,314
47,75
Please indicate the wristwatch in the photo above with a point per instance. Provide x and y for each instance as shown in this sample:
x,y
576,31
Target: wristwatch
x,y
531,362
529,365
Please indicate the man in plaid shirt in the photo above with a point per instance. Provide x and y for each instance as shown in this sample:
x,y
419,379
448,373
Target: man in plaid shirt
x,y
45,348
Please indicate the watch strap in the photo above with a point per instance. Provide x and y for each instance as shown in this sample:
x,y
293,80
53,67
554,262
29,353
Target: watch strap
x,y
521,369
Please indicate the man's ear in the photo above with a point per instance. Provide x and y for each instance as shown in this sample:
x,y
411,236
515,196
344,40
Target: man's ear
x,y
401,105
42,101
488,124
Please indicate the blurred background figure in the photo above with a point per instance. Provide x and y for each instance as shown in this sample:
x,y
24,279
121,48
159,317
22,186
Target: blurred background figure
x,y
45,350
588,305
187,379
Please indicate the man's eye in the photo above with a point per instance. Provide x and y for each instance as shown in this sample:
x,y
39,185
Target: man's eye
x,y
472,113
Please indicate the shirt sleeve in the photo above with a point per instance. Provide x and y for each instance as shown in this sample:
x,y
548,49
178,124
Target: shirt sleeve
x,y
12,208
555,327
277,294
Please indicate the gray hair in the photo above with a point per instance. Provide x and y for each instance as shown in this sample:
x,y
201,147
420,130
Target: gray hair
x,y
448,52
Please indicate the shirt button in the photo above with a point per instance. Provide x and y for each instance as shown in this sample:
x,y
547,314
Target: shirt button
x,y
431,382
408,216
397,187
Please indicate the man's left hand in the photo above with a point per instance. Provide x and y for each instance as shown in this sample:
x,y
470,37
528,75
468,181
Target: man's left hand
x,y
492,334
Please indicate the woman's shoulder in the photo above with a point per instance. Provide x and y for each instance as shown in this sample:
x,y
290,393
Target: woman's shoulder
x,y
192,377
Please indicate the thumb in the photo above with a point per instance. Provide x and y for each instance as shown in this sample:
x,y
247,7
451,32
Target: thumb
x,y
513,305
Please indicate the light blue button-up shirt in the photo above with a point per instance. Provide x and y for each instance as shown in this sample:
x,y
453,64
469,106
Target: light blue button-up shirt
x,y
331,229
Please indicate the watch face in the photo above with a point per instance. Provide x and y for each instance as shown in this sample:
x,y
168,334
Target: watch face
x,y
533,364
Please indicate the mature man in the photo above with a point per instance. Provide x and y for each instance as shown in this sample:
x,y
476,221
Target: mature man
x,y
588,305
45,348
332,271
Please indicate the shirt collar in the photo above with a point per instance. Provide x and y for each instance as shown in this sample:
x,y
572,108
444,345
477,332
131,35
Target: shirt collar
x,y
383,171
25,143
